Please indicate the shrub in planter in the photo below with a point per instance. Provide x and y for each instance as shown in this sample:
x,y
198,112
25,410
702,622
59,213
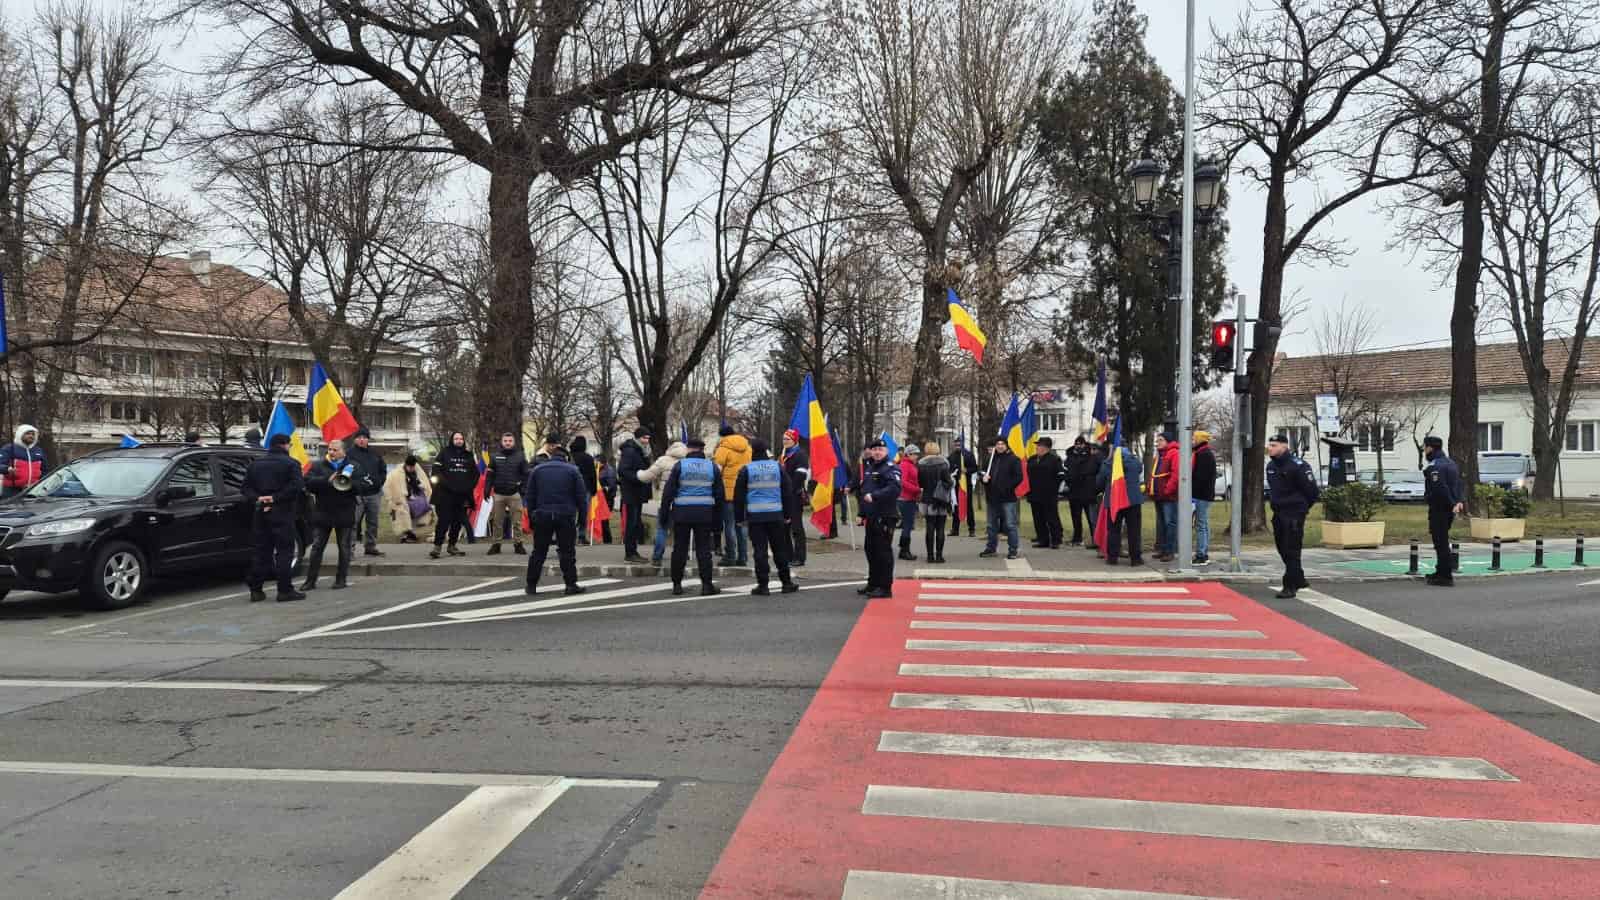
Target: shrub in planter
x,y
1354,502
1488,498
1516,504
1504,513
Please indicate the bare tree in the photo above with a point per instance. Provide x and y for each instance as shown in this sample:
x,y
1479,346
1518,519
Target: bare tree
x,y
519,94
606,399
1288,93
1415,415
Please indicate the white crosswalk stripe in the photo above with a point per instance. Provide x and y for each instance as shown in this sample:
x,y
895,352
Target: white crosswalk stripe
x,y
1125,630
1128,676
1073,613
867,885
1101,649
1210,712
1066,600
1029,587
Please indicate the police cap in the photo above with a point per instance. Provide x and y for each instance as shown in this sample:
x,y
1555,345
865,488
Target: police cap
x,y
1433,441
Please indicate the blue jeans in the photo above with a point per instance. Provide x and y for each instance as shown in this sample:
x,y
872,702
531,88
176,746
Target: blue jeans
x,y
1202,527
1166,526
908,520
730,530
661,538
1003,515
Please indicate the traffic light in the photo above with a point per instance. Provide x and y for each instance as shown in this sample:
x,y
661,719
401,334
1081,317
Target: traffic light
x,y
1223,334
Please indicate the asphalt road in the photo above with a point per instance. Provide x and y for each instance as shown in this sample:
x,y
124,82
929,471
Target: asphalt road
x,y
603,746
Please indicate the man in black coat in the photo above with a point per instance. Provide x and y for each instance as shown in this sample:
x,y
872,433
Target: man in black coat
x,y
274,485
965,478
633,457
1001,481
554,493
1291,489
580,457
1081,467
368,474
877,490
797,464
333,512
693,499
1044,494
507,475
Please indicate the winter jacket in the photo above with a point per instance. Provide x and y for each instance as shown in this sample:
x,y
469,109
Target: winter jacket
x,y
933,471
579,454
1291,487
22,465
1132,471
797,462
554,490
1164,480
276,475
508,470
731,455
1005,476
691,515
910,487
662,467
331,507
881,482
1044,478
631,460
741,498
608,482
456,471
1081,469
368,470
1204,471
397,494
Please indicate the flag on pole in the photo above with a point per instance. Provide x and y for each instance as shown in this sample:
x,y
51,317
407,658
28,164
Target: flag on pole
x,y
1011,432
683,430
963,487
482,501
888,441
1102,419
599,509
1116,498
1030,428
280,423
812,425
969,336
129,442
327,407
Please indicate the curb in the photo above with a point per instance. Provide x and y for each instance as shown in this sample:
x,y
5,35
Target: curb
x,y
469,570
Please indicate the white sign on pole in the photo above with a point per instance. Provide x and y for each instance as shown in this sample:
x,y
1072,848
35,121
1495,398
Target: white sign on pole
x,y
1328,413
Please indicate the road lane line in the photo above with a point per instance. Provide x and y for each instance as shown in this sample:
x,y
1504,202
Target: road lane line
x,y
316,776
444,857
562,600
393,609
1101,650
150,612
1050,588
1559,693
1129,676
549,588
1247,823
1083,601
1123,630
163,685
1134,709
1074,613
1198,756
868,885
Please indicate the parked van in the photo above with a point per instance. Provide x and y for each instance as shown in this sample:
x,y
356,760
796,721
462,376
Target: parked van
x,y
1510,470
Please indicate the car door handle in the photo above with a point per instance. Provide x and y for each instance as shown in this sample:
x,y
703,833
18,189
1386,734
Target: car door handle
x,y
222,508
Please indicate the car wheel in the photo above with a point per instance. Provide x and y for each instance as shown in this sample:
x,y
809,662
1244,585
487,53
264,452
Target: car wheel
x,y
118,576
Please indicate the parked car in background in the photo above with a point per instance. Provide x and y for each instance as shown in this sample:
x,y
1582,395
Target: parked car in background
x,y
1510,470
1404,486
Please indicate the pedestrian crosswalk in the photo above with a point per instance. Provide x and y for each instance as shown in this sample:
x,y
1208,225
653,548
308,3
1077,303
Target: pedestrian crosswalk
x,y
969,744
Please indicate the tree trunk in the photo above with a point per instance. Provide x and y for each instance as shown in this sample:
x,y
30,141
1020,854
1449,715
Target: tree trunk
x,y
926,364
497,401
1546,457
1464,337
1259,367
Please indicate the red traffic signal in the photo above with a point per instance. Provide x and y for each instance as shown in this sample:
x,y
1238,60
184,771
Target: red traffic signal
x,y
1223,334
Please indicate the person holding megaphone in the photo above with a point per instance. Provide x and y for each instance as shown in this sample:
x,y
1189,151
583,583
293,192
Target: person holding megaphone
x,y
329,482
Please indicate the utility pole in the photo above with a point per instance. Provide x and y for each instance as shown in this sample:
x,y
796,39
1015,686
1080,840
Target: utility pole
x,y
1186,316
1241,433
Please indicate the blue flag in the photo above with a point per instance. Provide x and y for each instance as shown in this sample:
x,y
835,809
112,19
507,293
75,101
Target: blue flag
x,y
841,475
128,441
684,430
888,441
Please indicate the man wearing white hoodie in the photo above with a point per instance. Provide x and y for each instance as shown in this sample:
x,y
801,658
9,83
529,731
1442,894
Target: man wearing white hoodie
x,y
22,464
657,474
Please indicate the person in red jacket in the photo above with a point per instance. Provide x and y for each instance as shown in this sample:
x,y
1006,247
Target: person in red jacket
x,y
1164,488
910,493
22,463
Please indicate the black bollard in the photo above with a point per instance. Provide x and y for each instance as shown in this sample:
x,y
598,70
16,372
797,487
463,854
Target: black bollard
x,y
1494,555
1577,554
1413,570
1455,556
1538,552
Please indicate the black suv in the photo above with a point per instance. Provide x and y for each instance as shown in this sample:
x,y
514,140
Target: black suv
x,y
106,523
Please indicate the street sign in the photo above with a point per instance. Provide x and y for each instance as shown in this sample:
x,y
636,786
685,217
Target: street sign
x,y
1328,413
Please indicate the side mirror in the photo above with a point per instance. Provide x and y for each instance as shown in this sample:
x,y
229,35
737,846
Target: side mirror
x,y
178,492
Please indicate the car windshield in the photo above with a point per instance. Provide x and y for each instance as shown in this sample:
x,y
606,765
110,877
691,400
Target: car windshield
x,y
1501,465
1403,477
100,477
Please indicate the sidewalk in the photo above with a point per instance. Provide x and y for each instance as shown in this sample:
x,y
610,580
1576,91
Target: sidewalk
x,y
836,560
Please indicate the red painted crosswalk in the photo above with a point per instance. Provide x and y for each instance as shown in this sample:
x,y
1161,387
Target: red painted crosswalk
x,y
1035,741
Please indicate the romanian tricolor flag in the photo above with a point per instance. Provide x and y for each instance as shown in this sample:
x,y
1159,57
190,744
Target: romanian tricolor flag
x,y
599,509
1011,432
280,423
812,426
968,335
1116,498
482,500
327,408
1102,419
963,486
1030,429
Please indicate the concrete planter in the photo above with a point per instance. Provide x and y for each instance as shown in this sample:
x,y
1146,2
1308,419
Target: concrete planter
x,y
1352,535
1505,529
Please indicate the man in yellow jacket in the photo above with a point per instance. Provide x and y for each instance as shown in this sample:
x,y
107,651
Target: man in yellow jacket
x,y
731,456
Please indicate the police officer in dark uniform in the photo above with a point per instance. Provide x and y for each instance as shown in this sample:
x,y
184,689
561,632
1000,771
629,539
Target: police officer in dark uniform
x,y
1445,498
552,495
877,489
693,501
764,500
1292,488
274,485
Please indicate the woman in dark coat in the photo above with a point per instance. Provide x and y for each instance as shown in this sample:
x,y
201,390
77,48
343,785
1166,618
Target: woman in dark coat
x,y
938,493
455,474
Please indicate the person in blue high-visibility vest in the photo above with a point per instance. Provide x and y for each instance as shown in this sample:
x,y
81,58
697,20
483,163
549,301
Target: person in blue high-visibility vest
x,y
693,501
765,502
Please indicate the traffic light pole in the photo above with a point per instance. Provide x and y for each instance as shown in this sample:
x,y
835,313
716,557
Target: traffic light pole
x,y
1241,407
1185,548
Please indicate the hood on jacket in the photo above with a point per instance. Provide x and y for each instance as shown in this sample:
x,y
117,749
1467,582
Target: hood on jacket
x,y
580,444
735,443
677,450
623,439
22,430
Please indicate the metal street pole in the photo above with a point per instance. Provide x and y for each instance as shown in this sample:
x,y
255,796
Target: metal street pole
x,y
1186,323
1241,406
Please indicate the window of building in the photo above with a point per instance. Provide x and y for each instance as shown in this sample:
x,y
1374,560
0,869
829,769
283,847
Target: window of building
x,y
126,362
1369,439
1581,436
1491,436
1053,421
1299,437
126,411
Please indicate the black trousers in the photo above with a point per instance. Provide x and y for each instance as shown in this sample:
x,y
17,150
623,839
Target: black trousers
x,y
274,545
704,536
633,530
564,531
345,544
776,536
880,551
451,509
933,535
972,514
1082,511
797,540
1439,521
1129,521
1046,522
1289,533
